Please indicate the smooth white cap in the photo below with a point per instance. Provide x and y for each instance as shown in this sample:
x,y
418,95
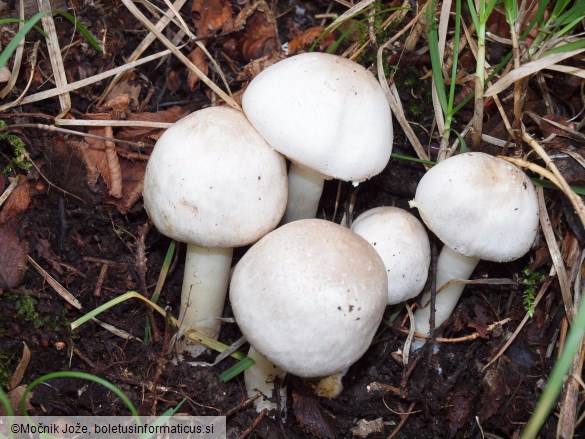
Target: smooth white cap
x,y
309,296
213,181
403,244
324,112
480,206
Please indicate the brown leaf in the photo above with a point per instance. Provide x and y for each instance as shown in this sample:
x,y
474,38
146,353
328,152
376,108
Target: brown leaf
x,y
13,253
132,176
18,200
259,37
141,134
197,57
254,67
20,368
211,16
480,321
306,39
14,398
308,413
122,98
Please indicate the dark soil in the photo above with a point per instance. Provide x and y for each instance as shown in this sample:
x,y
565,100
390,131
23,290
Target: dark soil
x,y
73,229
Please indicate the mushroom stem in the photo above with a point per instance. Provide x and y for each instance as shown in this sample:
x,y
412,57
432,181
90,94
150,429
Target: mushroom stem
x,y
305,187
450,265
260,378
205,284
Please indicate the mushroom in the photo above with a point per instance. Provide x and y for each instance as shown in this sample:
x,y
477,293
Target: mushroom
x,y
328,115
481,207
309,297
403,244
212,182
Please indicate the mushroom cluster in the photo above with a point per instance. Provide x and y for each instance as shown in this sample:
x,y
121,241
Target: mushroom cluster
x,y
309,296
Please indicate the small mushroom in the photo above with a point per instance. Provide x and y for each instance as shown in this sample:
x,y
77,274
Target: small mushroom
x,y
309,297
214,183
481,207
403,244
328,115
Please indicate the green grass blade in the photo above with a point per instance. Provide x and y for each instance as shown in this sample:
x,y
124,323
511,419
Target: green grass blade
x,y
436,61
574,45
6,403
18,20
553,388
236,369
13,44
79,375
162,419
82,30
164,271
206,341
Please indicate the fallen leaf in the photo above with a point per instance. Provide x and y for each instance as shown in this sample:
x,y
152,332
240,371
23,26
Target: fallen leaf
x,y
306,39
211,16
309,414
259,37
14,398
18,200
13,253
170,115
20,368
254,67
197,57
480,321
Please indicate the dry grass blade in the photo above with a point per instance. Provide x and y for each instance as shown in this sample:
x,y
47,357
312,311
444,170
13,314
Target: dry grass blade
x,y
112,123
33,63
70,298
570,398
575,200
17,58
529,69
555,254
353,10
392,93
510,340
575,156
55,56
144,44
204,78
84,82
18,374
575,71
8,190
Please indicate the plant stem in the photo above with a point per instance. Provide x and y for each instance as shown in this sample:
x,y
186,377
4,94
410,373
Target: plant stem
x,y
205,285
305,187
450,265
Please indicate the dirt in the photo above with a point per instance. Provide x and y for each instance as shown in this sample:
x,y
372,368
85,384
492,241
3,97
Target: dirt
x,y
96,245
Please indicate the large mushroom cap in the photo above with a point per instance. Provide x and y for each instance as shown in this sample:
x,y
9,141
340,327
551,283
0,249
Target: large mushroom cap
x,y
324,112
213,181
403,244
480,206
309,296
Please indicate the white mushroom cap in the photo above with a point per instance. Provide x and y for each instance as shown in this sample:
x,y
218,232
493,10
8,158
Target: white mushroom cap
x,y
309,296
480,206
213,181
324,112
403,244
